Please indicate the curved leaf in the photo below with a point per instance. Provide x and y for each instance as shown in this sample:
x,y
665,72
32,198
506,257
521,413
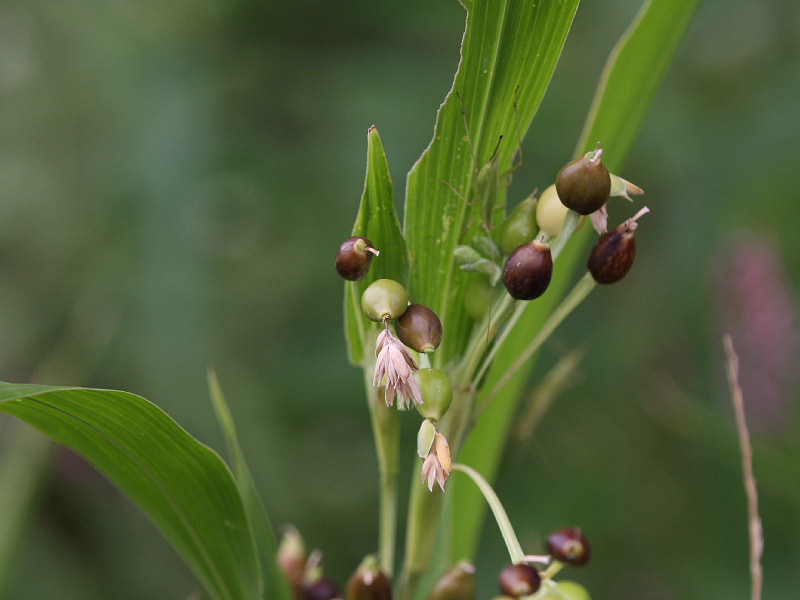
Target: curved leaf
x,y
181,484
376,220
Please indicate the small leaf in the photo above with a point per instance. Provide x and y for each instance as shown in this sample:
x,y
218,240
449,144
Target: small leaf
x,y
486,246
466,255
181,484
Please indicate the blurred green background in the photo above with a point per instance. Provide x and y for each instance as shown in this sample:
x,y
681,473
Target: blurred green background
x,y
175,178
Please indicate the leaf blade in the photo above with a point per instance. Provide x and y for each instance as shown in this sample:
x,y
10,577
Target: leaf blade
x,y
182,485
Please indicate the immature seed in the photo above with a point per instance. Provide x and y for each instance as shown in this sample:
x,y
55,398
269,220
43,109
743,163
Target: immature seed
x,y
384,300
436,391
419,328
354,257
528,270
519,580
613,254
584,184
520,226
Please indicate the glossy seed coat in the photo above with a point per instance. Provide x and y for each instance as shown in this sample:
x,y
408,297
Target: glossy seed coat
x,y
519,580
354,258
612,255
419,328
584,184
528,271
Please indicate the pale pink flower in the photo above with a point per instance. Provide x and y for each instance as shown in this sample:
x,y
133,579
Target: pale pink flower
x,y
396,366
437,465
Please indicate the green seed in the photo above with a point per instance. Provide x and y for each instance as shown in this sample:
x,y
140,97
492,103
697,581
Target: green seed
x,y
519,227
384,300
437,392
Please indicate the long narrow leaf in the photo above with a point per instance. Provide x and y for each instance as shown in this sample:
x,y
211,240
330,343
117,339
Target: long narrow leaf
x,y
266,543
627,86
508,54
182,485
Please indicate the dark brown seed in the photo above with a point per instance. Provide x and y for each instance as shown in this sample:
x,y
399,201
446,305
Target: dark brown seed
x,y
419,328
354,258
584,184
570,546
613,254
368,584
519,580
528,270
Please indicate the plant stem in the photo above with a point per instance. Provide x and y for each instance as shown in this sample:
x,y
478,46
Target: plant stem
x,y
386,432
500,515
424,513
585,285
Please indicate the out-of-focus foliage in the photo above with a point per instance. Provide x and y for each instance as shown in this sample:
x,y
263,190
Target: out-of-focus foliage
x,y
175,178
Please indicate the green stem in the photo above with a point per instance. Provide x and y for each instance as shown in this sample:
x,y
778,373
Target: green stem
x,y
582,289
424,514
425,508
500,515
386,432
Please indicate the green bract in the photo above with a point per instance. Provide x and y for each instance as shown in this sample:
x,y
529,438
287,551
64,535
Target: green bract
x,y
384,299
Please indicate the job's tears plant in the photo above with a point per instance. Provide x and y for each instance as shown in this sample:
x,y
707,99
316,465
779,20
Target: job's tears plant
x,y
395,373
444,312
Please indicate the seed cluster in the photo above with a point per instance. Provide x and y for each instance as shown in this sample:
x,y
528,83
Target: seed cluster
x,y
582,186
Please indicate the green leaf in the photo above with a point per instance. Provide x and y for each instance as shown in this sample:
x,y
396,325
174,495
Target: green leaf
x,y
508,55
181,484
632,75
266,542
377,220
634,70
